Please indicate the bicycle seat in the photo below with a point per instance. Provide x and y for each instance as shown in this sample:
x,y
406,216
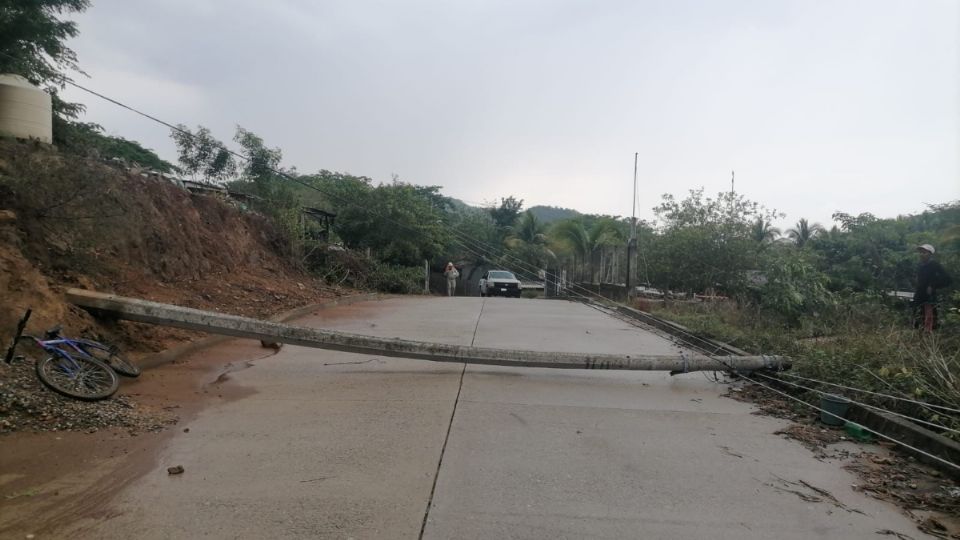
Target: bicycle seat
x,y
54,332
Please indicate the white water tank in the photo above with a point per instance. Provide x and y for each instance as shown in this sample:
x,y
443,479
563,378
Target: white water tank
x,y
25,110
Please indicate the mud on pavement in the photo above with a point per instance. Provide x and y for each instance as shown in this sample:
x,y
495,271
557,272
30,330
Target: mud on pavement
x,y
88,451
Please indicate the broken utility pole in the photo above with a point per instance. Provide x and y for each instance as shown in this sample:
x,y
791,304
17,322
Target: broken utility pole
x,y
244,327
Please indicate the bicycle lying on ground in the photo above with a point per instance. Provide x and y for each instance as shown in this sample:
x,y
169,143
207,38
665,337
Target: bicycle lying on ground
x,y
78,368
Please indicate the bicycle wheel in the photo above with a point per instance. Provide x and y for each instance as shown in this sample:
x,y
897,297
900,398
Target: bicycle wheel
x,y
87,379
113,359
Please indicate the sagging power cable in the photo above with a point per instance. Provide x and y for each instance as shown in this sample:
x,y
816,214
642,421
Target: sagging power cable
x,y
872,393
873,407
335,197
865,428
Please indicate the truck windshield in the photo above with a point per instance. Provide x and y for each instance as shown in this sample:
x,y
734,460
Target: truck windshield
x,y
499,274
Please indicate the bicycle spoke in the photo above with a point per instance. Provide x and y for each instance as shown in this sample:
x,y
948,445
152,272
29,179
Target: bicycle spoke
x,y
81,377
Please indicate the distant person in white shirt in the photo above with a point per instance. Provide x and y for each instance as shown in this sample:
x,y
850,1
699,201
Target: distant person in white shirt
x,y
452,275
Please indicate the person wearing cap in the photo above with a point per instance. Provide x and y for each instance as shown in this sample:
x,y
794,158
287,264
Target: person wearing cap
x,y
930,277
451,274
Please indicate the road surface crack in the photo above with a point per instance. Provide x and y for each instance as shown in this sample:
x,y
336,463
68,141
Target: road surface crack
x,y
446,438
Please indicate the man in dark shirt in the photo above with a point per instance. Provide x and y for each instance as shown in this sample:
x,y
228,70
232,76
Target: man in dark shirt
x,y
930,277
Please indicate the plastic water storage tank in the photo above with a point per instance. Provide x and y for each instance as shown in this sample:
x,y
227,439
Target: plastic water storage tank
x,y
25,110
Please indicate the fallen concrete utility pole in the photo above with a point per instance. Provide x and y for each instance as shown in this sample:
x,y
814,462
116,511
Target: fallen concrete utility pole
x,y
243,327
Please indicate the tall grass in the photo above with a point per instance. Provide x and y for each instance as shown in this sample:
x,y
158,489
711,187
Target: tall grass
x,y
860,343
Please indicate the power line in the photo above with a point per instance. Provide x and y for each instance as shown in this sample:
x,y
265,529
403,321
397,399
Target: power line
x,y
865,428
572,287
710,348
278,172
821,392
231,152
335,197
872,393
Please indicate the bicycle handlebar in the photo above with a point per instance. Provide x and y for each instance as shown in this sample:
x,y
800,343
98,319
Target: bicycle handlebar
x,y
13,344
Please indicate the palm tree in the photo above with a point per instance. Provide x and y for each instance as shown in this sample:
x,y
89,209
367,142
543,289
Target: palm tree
x,y
804,232
572,233
528,229
763,232
585,241
529,240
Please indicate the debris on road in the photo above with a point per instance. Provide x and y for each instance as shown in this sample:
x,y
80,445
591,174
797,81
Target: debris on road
x,y
924,494
769,403
813,436
175,470
810,493
900,536
913,486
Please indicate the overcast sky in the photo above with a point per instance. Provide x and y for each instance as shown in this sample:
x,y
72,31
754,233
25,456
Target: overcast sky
x,y
818,106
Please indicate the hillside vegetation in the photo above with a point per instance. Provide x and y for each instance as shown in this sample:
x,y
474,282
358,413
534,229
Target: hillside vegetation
x,y
71,221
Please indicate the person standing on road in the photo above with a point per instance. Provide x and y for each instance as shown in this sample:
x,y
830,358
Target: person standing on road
x,y
930,277
452,274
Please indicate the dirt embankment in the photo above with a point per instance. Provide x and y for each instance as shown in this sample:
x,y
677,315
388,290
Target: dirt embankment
x,y
71,222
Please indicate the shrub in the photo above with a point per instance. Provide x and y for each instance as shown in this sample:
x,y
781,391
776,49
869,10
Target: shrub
x,y
339,266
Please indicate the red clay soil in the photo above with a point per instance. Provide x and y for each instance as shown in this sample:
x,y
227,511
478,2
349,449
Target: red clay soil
x,y
72,222
50,480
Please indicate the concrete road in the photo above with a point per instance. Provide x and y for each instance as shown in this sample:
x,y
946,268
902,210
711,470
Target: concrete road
x,y
332,445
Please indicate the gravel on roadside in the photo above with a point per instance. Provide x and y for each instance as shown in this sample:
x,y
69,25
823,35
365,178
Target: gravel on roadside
x,y
27,405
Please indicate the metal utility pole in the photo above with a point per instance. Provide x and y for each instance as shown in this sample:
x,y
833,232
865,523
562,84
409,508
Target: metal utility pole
x,y
733,175
632,243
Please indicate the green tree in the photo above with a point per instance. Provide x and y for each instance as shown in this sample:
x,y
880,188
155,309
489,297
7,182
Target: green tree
x,y
506,214
705,242
33,43
763,232
399,223
473,236
804,232
585,240
870,254
527,240
793,286
200,154
528,229
261,164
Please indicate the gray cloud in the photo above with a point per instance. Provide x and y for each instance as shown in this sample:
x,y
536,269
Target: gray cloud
x,y
818,106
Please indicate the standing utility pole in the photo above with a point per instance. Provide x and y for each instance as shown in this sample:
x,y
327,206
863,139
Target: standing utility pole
x,y
632,243
733,175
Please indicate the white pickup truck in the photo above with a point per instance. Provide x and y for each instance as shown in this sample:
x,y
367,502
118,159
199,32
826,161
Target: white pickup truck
x,y
499,283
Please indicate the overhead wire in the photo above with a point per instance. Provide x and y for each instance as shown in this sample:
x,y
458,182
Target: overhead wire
x,y
286,176
872,393
734,370
865,428
189,134
865,405
709,349
590,295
